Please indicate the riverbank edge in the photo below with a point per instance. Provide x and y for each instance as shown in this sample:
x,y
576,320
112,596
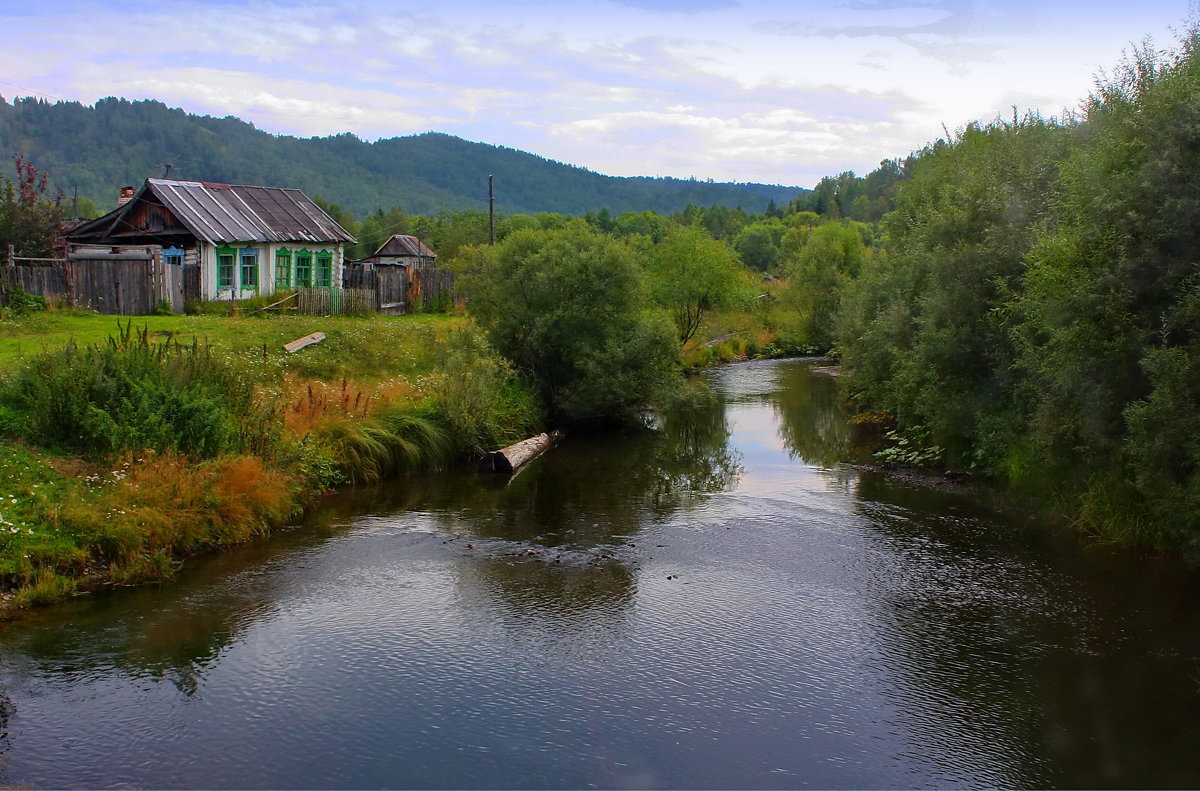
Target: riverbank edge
x,y
91,574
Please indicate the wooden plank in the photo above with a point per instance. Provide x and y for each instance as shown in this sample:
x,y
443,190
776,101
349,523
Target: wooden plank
x,y
307,340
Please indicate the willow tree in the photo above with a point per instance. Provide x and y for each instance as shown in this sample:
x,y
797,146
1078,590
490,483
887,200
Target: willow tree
x,y
692,274
571,308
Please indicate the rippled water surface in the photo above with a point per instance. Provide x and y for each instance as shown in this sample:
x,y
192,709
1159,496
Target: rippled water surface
x,y
712,604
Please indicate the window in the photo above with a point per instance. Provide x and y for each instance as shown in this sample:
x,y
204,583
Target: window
x,y
304,269
283,269
225,263
249,268
324,269
173,256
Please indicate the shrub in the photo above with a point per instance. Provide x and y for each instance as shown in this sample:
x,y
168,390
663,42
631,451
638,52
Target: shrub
x,y
19,301
130,394
570,308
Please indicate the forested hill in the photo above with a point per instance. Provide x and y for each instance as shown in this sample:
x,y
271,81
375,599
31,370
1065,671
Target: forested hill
x,y
100,148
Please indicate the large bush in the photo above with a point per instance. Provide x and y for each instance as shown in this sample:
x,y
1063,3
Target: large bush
x,y
570,307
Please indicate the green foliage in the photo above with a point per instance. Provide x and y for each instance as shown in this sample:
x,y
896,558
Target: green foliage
x,y
29,220
130,394
692,274
832,256
480,397
908,451
758,244
1035,309
847,196
116,142
570,308
19,302
925,330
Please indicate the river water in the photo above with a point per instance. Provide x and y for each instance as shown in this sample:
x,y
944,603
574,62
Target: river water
x,y
713,604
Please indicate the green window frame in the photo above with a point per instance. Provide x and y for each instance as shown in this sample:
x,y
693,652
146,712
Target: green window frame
x,y
304,261
283,268
226,266
325,269
249,268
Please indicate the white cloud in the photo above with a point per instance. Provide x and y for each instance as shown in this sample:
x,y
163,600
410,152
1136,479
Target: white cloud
x,y
767,90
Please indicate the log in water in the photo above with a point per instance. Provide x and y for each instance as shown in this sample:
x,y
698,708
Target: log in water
x,y
512,458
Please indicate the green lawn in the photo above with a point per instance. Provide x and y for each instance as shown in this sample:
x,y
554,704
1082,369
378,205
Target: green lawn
x,y
358,347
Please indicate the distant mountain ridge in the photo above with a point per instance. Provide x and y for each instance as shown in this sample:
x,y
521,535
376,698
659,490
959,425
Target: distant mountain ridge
x,y
97,149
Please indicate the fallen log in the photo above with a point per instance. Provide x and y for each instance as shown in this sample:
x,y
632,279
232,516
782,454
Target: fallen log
x,y
507,460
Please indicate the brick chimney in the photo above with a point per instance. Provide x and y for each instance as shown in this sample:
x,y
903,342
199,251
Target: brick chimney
x,y
126,196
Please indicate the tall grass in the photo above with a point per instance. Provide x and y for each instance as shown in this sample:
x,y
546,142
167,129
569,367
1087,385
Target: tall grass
x,y
130,394
166,506
480,398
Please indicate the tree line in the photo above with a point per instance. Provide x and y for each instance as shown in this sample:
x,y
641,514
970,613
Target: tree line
x,y
94,150
1032,311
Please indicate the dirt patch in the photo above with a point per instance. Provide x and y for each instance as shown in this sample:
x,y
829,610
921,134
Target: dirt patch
x,y
73,467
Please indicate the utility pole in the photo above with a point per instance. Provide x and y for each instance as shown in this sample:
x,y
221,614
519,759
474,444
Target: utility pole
x,y
491,214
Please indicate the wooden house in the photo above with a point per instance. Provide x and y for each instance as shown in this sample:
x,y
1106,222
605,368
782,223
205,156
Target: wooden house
x,y
401,250
403,274
218,241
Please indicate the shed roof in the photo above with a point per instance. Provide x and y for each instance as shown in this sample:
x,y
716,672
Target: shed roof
x,y
234,213
402,245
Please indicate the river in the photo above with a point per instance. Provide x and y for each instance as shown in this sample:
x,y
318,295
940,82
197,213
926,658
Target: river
x,y
714,604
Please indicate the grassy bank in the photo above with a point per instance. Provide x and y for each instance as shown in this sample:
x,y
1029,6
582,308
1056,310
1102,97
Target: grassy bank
x,y
124,449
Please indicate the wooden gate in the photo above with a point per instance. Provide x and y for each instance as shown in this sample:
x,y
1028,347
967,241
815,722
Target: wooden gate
x,y
191,282
122,284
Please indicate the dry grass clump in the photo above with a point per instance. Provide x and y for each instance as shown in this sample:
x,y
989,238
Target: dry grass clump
x,y
313,403
167,506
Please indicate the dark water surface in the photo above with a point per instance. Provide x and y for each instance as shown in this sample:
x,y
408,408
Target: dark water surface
x,y
715,604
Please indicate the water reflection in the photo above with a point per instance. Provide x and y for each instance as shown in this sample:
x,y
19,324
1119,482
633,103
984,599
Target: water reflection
x,y
812,422
589,491
650,609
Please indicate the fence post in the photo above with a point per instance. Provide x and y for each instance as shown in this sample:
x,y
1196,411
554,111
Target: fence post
x,y
9,274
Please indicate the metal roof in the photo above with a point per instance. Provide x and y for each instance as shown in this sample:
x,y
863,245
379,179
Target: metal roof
x,y
401,245
237,213
223,213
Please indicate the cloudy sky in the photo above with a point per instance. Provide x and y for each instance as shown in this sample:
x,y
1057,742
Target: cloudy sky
x,y
733,90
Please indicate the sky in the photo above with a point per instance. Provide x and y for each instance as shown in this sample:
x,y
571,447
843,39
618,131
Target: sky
x,y
729,90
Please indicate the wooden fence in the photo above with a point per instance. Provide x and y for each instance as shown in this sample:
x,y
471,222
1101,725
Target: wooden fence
x,y
401,289
47,280
335,301
128,284
136,281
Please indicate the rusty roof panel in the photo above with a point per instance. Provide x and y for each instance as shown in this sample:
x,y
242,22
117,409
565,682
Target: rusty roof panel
x,y
402,245
237,213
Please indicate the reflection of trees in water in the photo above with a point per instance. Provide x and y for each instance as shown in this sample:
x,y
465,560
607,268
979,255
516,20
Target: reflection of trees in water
x,y
6,711
587,493
1065,665
589,490
580,499
812,421
172,633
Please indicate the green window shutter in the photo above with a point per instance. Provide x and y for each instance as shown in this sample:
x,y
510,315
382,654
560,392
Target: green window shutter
x,y
324,269
283,269
226,263
249,268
